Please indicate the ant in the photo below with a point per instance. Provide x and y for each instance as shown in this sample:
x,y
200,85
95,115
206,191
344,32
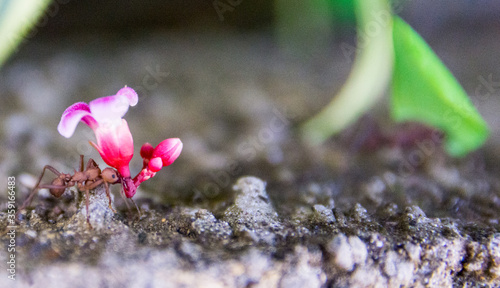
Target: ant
x,y
85,180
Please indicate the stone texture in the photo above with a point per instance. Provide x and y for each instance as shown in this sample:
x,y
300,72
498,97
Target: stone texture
x,y
191,247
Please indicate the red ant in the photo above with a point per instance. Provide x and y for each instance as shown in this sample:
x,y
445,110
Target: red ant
x,y
85,180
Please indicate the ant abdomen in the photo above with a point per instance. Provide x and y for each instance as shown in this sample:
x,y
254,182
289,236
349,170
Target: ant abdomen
x,y
57,192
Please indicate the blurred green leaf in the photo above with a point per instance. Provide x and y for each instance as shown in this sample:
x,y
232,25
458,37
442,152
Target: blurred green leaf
x,y
369,77
343,10
16,19
424,90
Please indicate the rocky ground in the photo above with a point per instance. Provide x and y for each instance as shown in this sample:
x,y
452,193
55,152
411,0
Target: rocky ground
x,y
250,244
246,204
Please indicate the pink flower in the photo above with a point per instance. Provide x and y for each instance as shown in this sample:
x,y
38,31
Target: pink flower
x,y
104,116
114,140
156,158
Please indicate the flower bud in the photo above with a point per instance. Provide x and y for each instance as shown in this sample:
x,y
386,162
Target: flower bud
x,y
147,151
168,150
155,164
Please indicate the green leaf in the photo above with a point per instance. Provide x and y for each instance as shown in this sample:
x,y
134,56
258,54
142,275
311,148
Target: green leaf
x,y
369,77
16,19
424,90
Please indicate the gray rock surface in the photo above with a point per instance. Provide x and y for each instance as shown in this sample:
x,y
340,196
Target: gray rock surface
x,y
250,245
252,215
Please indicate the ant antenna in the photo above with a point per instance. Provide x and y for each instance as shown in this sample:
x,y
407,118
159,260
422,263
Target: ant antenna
x,y
137,207
122,193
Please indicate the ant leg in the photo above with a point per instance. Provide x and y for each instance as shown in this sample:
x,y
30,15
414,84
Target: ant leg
x,y
81,163
50,186
28,200
92,185
99,182
109,196
87,196
90,164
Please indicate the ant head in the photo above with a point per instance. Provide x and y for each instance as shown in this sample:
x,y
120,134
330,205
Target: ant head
x,y
110,175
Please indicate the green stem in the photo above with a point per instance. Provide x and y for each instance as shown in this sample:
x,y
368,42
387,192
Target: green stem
x,y
370,75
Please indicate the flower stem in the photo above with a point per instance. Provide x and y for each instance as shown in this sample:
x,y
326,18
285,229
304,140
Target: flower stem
x,y
370,75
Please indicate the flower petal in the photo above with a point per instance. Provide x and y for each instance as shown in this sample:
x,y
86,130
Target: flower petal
x,y
130,94
109,109
116,146
72,115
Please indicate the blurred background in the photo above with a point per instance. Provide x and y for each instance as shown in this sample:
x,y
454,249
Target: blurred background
x,y
231,78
